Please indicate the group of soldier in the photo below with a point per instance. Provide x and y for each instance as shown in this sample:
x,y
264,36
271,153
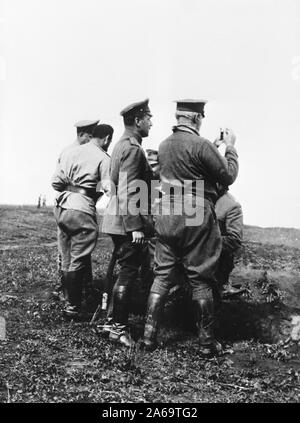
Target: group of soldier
x,y
148,230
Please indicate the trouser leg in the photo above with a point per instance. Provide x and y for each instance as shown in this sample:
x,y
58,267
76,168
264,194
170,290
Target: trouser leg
x,y
201,254
78,233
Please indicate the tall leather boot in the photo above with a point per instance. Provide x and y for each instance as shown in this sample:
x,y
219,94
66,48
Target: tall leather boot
x,y
73,292
87,277
154,310
204,308
119,312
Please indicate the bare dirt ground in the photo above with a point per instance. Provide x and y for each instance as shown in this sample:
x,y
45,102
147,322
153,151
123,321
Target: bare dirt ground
x,y
46,359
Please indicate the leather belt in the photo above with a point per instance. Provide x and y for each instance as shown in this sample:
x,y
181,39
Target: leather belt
x,y
91,193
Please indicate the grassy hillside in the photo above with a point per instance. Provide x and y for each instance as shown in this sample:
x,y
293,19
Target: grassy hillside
x,y
46,359
276,236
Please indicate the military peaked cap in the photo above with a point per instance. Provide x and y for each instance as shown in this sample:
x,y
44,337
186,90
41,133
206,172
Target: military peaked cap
x,y
87,125
136,108
196,106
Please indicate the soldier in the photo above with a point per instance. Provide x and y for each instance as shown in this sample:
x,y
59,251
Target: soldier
x,y
129,166
187,157
230,217
146,271
77,175
84,130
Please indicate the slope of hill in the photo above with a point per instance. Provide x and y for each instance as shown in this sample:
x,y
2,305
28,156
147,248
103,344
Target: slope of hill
x,y
46,359
276,236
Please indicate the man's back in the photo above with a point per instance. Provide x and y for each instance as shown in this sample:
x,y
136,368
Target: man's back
x,y
83,166
187,156
178,156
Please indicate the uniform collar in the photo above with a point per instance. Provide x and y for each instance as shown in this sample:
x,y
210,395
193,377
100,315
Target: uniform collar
x,y
185,128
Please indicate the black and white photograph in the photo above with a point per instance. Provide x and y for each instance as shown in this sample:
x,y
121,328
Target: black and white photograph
x,y
149,204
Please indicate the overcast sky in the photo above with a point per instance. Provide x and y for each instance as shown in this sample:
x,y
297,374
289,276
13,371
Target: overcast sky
x,y
63,61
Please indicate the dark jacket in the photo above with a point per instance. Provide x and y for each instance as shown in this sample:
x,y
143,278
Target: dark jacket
x,y
187,156
128,158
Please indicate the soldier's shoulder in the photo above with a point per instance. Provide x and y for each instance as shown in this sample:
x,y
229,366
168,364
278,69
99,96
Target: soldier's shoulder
x,y
125,142
130,143
126,145
69,148
68,151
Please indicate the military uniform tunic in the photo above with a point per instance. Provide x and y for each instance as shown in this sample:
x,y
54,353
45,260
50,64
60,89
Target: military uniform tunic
x,y
128,158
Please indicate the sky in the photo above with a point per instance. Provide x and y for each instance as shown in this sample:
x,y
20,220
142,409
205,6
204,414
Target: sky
x,y
64,61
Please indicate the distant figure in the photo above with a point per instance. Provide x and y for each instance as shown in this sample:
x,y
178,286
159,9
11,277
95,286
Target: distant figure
x,y
44,201
39,202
